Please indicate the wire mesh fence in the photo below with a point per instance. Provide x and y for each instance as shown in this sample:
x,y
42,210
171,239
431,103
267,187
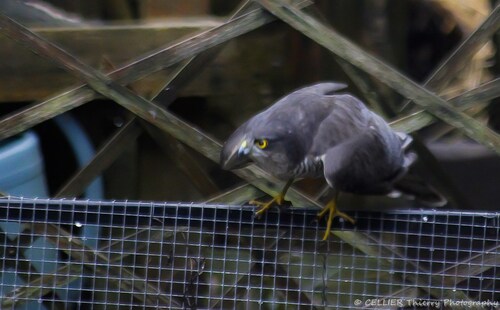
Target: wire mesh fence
x,y
192,256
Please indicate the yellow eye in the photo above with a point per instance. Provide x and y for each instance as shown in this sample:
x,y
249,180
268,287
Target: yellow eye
x,y
261,143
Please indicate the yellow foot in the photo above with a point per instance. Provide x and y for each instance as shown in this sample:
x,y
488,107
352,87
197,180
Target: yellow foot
x,y
264,206
331,208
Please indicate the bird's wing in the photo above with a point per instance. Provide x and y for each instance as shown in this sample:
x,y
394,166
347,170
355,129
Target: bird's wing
x,y
361,164
344,117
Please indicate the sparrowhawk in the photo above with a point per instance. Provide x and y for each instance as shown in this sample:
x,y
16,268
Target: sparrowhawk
x,y
313,133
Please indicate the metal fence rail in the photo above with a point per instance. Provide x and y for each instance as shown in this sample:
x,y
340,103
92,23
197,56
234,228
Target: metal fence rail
x,y
196,256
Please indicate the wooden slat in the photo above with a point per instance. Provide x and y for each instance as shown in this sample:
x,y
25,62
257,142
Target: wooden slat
x,y
36,78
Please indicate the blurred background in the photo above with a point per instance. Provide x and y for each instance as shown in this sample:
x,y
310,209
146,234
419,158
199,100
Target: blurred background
x,y
246,75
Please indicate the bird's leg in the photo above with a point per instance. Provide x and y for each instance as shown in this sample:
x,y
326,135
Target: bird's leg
x,y
278,199
331,208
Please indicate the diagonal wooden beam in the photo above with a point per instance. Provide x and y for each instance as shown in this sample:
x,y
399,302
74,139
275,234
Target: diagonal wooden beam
x,y
107,154
154,61
451,65
420,119
347,50
145,109
462,54
104,157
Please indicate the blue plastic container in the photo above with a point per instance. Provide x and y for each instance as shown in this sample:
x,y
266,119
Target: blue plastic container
x,y
21,166
22,174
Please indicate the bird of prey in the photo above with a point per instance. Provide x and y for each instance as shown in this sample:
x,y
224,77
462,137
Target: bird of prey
x,y
314,132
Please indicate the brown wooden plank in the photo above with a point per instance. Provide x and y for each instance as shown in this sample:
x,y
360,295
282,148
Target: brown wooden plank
x,y
36,78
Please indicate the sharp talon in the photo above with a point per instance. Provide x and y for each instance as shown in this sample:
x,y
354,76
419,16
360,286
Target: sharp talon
x,y
331,208
264,206
256,203
277,200
329,223
326,235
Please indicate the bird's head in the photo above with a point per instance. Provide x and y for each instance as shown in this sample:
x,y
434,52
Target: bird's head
x,y
273,147
278,138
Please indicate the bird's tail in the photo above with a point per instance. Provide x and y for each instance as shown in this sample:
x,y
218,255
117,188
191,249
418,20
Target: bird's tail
x,y
412,187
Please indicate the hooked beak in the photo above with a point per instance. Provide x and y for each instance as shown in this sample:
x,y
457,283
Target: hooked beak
x,y
235,156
